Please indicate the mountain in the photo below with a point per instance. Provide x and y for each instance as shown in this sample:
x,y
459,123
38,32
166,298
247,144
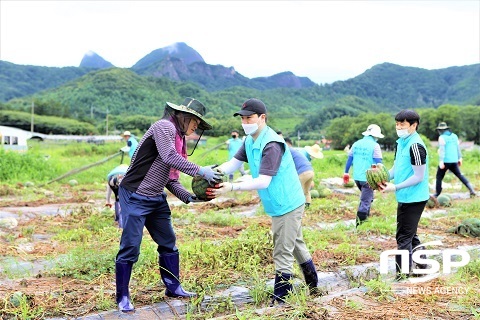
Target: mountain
x,y
180,62
408,87
24,80
384,86
94,61
179,50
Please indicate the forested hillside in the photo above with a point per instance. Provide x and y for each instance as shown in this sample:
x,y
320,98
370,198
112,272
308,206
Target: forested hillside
x,y
130,100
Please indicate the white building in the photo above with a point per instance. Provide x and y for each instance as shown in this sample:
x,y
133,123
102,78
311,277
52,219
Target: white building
x,y
13,138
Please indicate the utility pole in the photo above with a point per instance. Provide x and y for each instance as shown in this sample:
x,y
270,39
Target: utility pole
x,y
31,121
106,127
91,111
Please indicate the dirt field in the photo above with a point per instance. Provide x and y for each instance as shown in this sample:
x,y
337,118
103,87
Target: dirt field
x,y
429,300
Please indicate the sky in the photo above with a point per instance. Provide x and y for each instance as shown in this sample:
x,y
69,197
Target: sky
x,y
325,41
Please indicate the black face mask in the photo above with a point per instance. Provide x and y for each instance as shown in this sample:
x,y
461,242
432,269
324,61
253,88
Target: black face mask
x,y
234,136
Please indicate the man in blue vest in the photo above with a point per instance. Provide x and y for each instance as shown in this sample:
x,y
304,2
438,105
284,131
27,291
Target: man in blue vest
x,y
132,143
362,155
450,158
410,174
276,180
233,144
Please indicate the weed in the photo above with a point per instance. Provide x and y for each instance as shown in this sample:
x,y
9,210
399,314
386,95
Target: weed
x,y
379,290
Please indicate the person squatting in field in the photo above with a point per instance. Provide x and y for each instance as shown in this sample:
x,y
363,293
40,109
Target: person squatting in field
x,y
160,156
304,170
277,183
114,177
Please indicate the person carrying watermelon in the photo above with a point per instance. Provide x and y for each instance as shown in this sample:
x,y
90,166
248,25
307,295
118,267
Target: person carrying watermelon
x,y
277,183
450,158
160,155
362,155
410,174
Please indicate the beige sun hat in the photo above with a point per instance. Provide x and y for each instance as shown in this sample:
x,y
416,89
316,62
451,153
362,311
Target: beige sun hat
x,y
195,107
126,133
374,131
314,151
442,126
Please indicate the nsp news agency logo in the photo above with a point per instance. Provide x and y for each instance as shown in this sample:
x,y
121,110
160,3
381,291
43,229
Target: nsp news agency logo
x,y
420,257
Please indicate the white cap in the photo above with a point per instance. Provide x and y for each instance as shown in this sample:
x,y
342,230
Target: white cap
x,y
126,133
374,131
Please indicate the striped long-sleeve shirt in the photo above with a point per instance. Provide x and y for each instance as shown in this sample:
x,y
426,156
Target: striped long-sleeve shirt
x,y
149,170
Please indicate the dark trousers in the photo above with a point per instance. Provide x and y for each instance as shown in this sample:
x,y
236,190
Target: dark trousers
x,y
366,197
152,213
455,169
408,216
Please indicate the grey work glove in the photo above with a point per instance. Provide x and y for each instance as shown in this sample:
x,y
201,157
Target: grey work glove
x,y
210,175
194,199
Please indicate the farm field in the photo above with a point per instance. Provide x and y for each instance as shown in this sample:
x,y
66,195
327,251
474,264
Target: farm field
x,y
57,261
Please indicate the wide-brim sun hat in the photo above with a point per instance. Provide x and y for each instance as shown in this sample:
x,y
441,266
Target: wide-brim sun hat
x,y
374,131
195,107
314,151
126,133
442,126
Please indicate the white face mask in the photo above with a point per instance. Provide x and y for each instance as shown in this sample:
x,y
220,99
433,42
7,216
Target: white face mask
x,y
403,133
250,128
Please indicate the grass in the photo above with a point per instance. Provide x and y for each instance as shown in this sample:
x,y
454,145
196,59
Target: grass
x,y
218,247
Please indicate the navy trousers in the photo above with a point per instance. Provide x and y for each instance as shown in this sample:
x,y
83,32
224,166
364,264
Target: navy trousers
x,y
455,169
138,212
366,197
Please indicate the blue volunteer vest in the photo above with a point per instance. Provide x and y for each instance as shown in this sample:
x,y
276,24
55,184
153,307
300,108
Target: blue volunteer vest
x,y
133,147
121,169
284,194
362,152
451,147
233,146
403,170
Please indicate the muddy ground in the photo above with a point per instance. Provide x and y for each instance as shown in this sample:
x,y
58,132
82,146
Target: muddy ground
x,y
77,294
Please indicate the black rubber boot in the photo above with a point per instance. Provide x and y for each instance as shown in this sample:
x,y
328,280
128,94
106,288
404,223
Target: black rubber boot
x,y
472,191
311,277
282,287
361,217
123,271
170,272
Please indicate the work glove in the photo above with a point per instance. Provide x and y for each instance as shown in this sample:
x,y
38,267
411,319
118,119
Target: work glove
x,y
210,175
220,189
441,165
346,178
125,149
194,198
387,187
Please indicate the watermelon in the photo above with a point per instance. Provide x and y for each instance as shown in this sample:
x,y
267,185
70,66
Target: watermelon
x,y
350,184
444,200
325,192
200,185
314,194
378,173
432,202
